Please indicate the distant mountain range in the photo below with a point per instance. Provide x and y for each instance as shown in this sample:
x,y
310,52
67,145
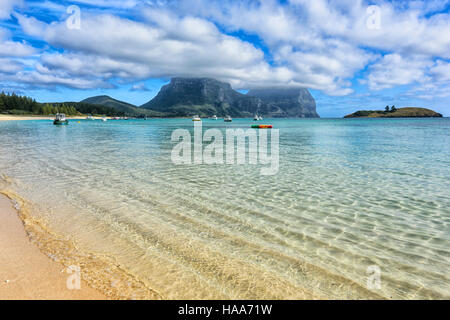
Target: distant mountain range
x,y
286,102
186,97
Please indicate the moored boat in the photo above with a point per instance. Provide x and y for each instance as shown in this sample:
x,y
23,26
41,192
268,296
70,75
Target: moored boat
x,y
60,119
262,126
196,118
227,119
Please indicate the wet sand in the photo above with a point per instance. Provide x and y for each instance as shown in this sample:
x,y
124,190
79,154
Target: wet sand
x,y
25,272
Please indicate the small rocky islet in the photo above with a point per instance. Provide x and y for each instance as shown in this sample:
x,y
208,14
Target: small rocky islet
x,y
408,112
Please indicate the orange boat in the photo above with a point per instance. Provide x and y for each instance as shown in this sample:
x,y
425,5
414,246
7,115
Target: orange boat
x,y
262,126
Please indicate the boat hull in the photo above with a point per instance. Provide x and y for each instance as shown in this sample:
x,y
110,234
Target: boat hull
x,y
60,123
261,126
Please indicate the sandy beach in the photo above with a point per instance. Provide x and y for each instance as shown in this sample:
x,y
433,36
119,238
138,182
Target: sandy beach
x,y
26,273
4,117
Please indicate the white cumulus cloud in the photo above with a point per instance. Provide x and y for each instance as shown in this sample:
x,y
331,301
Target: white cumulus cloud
x,y
7,6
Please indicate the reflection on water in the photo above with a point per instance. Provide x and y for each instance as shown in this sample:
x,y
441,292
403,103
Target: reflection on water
x,y
349,194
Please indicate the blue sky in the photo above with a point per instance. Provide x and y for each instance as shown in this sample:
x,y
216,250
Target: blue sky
x,y
350,54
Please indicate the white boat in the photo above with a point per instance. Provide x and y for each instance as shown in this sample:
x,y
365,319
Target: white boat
x,y
196,118
60,118
89,117
227,119
257,118
104,119
214,117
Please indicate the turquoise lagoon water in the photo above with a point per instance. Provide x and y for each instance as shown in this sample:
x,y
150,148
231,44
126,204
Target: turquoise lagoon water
x,y
350,194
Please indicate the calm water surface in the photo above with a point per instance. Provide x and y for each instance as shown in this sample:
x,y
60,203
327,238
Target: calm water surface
x,y
349,194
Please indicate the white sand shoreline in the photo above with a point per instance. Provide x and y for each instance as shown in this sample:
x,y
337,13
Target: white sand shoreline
x,y
25,272
4,117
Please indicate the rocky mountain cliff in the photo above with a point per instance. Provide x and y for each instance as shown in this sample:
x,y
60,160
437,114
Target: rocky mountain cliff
x,y
206,97
286,102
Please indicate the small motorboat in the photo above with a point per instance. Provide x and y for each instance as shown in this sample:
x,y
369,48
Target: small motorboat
x,y
214,117
262,126
89,117
227,119
104,119
196,118
60,119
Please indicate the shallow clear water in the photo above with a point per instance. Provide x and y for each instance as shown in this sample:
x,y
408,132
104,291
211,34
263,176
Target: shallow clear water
x,y
349,194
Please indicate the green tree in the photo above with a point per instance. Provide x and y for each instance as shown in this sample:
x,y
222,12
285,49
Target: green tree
x,y
386,109
393,109
73,111
36,108
46,109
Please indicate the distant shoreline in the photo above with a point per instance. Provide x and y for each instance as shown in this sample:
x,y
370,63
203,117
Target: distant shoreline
x,y
4,117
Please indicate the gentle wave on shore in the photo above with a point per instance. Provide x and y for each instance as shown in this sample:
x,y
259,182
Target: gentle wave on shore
x,y
349,194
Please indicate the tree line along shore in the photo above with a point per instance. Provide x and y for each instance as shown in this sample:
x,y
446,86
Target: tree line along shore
x,y
13,104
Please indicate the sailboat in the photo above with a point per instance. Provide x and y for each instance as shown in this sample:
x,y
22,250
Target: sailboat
x,y
227,119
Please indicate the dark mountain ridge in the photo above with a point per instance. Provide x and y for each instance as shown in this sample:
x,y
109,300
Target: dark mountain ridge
x,y
286,102
107,101
184,97
206,97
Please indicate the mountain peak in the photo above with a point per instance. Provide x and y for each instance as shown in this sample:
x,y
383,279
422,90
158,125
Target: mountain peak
x,y
206,96
107,101
287,102
199,83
